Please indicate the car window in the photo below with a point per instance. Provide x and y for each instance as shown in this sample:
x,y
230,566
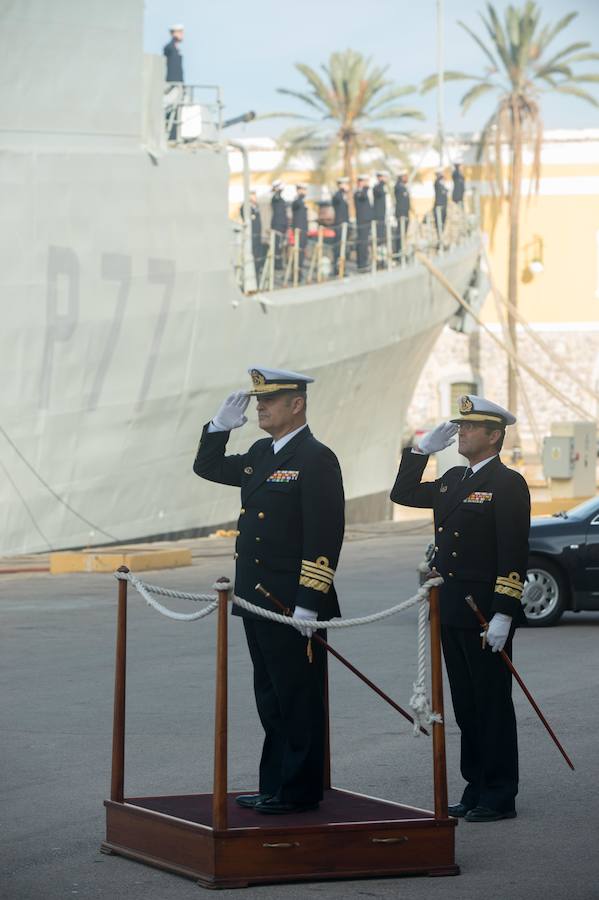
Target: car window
x,y
584,510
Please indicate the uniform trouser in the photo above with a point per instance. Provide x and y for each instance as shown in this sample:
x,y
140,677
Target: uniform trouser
x,y
481,691
397,243
279,238
289,693
380,231
363,246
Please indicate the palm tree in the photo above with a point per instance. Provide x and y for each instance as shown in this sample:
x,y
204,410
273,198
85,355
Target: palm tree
x,y
347,106
520,69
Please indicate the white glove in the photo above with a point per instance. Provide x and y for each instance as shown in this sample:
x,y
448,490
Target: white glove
x,y
498,631
299,614
439,438
231,413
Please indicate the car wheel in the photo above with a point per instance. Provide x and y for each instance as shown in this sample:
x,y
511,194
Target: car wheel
x,y
545,593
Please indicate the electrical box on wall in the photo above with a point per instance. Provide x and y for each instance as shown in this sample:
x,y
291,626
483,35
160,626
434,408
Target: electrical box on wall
x,y
570,459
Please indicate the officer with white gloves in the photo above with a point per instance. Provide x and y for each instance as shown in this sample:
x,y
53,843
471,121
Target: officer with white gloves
x,y
231,414
290,531
482,519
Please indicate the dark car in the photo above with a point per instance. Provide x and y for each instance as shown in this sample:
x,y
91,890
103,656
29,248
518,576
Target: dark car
x,y
563,565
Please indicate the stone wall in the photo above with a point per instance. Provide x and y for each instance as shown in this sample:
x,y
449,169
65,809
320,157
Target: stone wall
x,y
457,357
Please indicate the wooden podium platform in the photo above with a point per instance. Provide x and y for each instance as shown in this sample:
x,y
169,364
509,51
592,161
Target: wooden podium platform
x,y
210,838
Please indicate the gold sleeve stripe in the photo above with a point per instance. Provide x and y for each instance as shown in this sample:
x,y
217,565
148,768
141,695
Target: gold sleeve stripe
x,y
315,584
511,585
319,571
499,589
320,567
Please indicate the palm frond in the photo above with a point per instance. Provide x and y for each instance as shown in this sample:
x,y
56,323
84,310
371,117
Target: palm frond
x,y
576,92
474,93
305,98
431,81
397,112
480,43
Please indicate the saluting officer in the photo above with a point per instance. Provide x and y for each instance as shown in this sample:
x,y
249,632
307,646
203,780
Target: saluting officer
x,y
459,184
482,520
299,219
290,534
402,208
278,221
363,220
440,207
341,208
379,205
256,218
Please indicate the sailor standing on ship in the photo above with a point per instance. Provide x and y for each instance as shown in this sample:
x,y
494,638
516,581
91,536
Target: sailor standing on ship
x,y
279,221
379,205
290,534
299,220
173,95
363,220
341,208
482,520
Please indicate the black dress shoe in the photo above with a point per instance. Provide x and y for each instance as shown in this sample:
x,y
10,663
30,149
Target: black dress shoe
x,y
250,801
458,810
484,814
274,807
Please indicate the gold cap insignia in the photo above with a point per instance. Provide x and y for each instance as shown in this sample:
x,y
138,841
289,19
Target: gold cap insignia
x,y
466,404
257,378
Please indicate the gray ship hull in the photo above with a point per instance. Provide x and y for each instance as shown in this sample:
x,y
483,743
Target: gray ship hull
x,y
123,329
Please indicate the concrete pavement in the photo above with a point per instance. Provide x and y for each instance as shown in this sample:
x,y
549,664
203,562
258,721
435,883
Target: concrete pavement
x,y
56,665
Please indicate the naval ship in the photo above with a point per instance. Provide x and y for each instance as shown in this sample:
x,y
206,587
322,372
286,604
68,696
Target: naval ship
x,y
124,323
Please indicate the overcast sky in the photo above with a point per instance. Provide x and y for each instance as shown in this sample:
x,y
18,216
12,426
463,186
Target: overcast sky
x,y
249,47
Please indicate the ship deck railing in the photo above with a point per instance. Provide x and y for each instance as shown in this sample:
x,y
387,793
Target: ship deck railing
x,y
284,259
192,113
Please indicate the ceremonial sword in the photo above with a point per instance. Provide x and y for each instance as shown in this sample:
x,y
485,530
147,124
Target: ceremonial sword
x,y
471,603
287,612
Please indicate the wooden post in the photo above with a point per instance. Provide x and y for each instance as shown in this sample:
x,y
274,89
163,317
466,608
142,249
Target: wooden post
x,y
374,246
296,256
440,230
319,254
327,728
439,762
117,781
219,795
271,268
389,244
343,249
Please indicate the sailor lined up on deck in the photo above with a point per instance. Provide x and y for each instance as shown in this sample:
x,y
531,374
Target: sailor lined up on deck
x,y
291,527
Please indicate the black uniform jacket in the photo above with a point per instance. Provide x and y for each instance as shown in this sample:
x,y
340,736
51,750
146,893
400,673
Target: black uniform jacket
x,y
341,207
174,61
481,535
402,200
440,193
379,193
299,214
291,521
279,220
363,207
459,185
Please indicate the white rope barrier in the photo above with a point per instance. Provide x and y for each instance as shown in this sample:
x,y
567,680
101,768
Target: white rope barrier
x,y
421,594
145,589
419,704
